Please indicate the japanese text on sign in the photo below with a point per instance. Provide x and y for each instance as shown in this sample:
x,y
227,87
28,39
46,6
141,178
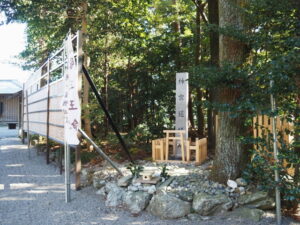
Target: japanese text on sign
x,y
71,104
182,93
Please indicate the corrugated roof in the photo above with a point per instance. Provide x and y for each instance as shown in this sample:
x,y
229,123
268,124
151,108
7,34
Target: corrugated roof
x,y
10,86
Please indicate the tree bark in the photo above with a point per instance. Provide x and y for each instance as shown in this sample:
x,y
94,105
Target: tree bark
x,y
178,41
197,60
213,18
105,94
297,114
231,156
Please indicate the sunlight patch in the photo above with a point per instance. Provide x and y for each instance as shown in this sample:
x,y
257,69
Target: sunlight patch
x,y
110,217
21,186
15,175
16,199
14,165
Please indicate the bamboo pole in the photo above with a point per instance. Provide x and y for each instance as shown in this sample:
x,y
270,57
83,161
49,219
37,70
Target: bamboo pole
x,y
277,191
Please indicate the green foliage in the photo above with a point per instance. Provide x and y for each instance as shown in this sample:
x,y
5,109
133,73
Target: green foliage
x,y
164,174
140,134
135,169
262,168
135,51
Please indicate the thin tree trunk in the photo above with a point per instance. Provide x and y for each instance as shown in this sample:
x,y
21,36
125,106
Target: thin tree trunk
x,y
200,114
177,31
197,60
231,155
213,17
106,69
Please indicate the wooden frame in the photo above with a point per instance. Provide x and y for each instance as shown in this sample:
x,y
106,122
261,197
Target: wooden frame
x,y
44,87
160,147
42,106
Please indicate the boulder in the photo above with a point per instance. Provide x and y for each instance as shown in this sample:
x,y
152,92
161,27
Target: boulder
x,y
186,195
241,190
232,184
101,192
241,182
86,177
114,196
124,181
194,216
206,204
98,182
259,199
247,213
150,189
168,207
163,187
136,202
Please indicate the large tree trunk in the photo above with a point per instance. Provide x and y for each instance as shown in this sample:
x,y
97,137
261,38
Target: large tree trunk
x,y
297,114
230,153
86,86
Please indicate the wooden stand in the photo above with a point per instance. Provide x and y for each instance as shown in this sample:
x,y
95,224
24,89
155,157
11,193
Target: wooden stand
x,y
200,148
160,147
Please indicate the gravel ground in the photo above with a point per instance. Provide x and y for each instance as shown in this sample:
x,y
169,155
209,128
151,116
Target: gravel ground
x,y
32,193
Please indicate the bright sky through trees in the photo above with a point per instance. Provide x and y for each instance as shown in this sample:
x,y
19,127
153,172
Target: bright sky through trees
x,y
12,42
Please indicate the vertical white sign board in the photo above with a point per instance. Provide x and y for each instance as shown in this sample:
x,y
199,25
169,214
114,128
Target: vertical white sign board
x,y
71,103
182,98
71,108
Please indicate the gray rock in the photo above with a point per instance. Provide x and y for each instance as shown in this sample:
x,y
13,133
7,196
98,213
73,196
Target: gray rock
x,y
136,202
206,204
227,206
241,190
241,182
124,181
132,188
164,186
109,186
98,182
168,207
232,184
86,177
150,189
258,199
246,213
114,196
101,192
186,195
194,216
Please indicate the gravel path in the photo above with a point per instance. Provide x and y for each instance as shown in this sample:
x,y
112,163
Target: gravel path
x,y
32,193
